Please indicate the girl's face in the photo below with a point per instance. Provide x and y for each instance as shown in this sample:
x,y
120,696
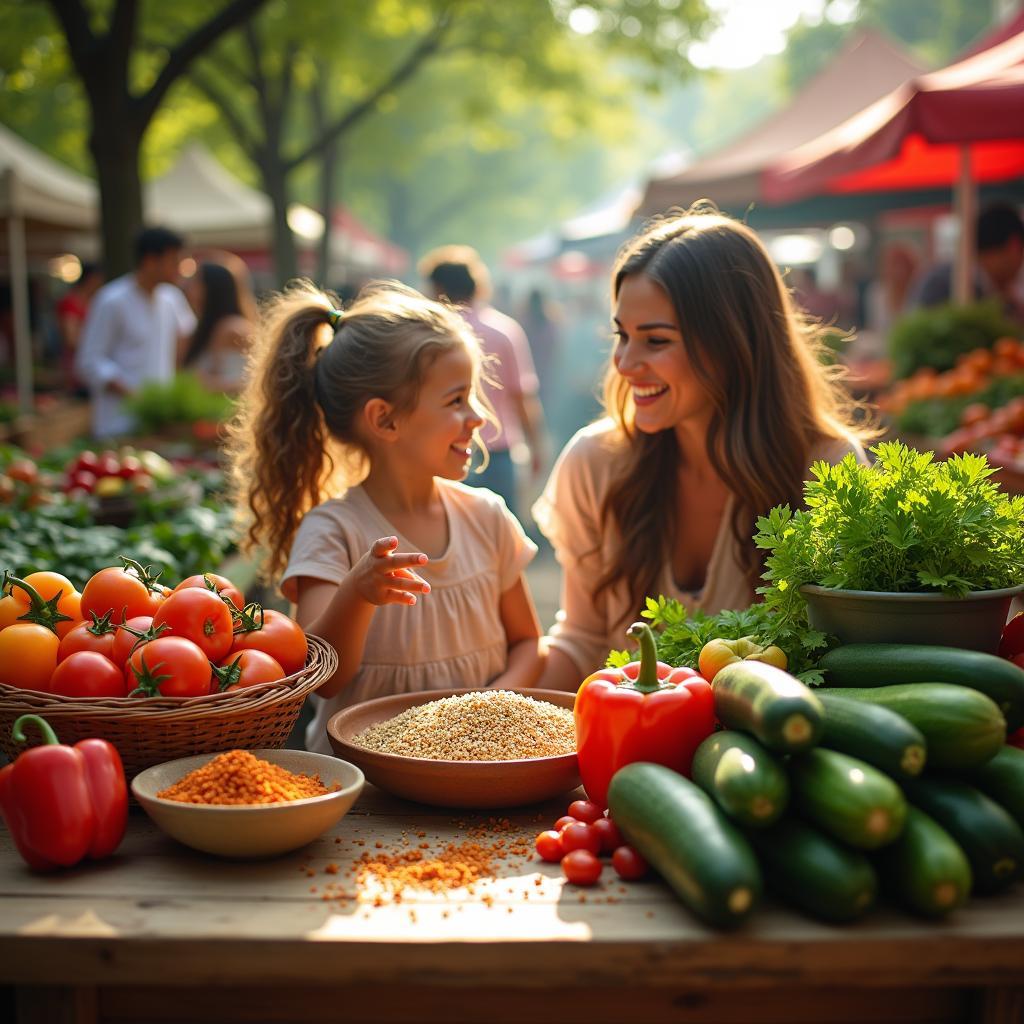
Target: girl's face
x,y
651,357
437,435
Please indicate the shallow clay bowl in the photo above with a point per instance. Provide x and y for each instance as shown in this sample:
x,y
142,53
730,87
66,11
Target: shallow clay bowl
x,y
254,830
481,785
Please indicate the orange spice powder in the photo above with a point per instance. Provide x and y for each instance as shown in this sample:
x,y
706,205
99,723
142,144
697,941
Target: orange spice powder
x,y
238,777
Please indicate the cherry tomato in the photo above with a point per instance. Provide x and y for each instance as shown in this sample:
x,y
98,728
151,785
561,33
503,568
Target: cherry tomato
x,y
281,637
124,641
222,585
565,819
87,460
580,836
585,810
200,616
87,674
175,667
628,864
130,465
28,656
256,667
47,584
581,867
609,834
11,609
82,638
108,464
118,591
549,846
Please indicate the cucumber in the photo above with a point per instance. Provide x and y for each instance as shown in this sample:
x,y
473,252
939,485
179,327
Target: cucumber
x,y
1002,779
874,734
991,839
681,832
742,777
886,664
925,870
847,798
821,877
768,703
963,728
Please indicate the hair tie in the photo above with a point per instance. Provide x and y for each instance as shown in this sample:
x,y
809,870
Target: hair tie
x,y
334,316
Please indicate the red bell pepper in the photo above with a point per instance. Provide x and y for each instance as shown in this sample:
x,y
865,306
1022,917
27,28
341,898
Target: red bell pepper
x,y
644,711
63,804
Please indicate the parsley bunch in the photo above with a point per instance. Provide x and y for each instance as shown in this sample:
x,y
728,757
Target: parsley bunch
x,y
905,524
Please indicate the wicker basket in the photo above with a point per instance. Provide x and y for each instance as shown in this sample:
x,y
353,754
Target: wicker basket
x,y
151,730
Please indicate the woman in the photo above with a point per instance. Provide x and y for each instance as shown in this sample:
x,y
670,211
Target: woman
x,y
716,402
227,312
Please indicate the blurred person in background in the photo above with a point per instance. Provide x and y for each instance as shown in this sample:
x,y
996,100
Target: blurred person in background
x,y
457,274
999,242
226,309
888,295
71,311
542,323
133,330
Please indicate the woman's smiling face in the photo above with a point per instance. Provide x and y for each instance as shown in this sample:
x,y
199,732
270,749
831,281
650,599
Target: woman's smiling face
x,y
650,355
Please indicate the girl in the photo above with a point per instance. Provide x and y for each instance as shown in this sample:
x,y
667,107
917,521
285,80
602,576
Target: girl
x,y
413,577
717,401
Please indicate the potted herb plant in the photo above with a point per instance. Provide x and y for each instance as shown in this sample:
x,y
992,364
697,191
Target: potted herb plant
x,y
908,549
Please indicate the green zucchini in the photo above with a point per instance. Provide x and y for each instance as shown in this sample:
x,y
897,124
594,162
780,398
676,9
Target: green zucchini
x,y
886,664
991,839
813,872
925,870
847,798
1002,779
874,734
768,703
743,778
963,728
681,832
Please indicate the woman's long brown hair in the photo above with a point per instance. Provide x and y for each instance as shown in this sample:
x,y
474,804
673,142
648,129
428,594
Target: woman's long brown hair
x,y
294,440
758,358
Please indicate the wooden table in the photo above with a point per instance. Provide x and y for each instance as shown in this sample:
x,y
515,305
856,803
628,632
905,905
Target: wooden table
x,y
162,934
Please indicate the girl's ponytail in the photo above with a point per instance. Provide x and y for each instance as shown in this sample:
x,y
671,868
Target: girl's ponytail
x,y
277,442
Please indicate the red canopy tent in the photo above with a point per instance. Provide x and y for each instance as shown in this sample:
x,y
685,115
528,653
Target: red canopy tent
x,y
960,126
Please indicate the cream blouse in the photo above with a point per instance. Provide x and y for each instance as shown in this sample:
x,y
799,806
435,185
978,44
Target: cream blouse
x,y
453,636
568,513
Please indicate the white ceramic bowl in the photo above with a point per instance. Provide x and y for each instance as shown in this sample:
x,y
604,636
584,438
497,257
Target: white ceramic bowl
x,y
255,830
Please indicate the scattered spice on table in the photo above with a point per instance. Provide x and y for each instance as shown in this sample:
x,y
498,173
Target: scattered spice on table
x,y
238,777
487,725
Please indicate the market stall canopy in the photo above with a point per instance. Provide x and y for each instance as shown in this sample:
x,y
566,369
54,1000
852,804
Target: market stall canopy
x,y
868,68
356,249
200,198
919,135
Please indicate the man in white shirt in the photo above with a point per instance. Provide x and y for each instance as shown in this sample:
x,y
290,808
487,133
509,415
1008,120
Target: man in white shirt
x,y
132,333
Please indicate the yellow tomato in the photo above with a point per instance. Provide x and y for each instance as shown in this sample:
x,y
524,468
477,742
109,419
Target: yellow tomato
x,y
11,609
69,604
28,655
47,584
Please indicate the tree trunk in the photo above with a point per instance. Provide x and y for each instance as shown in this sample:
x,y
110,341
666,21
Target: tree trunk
x,y
275,184
329,165
115,147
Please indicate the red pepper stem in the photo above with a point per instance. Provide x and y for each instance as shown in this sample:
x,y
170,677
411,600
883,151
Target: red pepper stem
x,y
647,680
18,731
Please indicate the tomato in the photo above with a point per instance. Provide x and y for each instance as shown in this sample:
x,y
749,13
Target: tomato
x,y
169,666
83,636
87,674
255,667
116,590
124,641
11,609
580,836
108,464
549,846
28,655
87,461
47,584
585,810
1012,642
200,616
609,834
23,470
130,465
222,585
581,867
628,864
1016,739
565,819
70,605
281,637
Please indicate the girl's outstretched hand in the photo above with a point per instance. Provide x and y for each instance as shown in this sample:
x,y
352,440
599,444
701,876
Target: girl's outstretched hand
x,y
385,576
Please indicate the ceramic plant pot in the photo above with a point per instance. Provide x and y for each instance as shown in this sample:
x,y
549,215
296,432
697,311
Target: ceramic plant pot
x,y
974,622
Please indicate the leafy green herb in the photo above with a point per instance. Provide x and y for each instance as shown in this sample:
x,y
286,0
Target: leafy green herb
x,y
905,524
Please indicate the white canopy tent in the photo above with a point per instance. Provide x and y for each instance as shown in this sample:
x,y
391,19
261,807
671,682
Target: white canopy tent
x,y
46,208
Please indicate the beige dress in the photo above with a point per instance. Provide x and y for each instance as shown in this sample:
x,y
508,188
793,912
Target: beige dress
x,y
451,637
569,515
